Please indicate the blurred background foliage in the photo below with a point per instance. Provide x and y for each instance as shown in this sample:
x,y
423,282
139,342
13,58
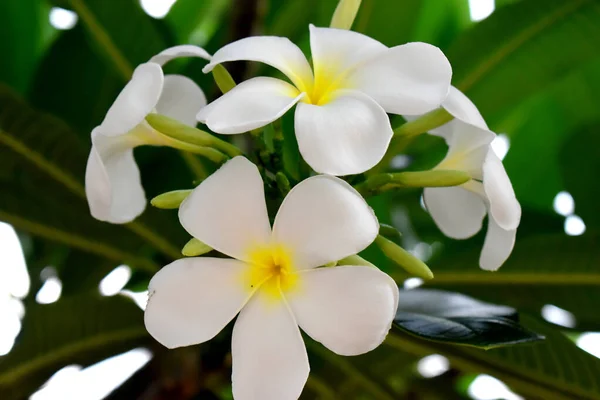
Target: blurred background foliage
x,y
533,69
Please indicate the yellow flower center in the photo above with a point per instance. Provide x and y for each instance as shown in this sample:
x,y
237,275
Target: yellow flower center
x,y
327,81
272,269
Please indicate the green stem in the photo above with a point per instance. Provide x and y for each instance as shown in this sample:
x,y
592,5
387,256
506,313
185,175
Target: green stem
x,y
379,183
404,134
223,79
185,134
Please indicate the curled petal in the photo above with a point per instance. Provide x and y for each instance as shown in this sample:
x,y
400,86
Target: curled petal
x,y
323,219
184,50
251,104
192,299
411,79
228,211
181,99
504,207
137,99
497,246
463,109
348,309
456,211
269,356
275,51
335,51
112,183
348,135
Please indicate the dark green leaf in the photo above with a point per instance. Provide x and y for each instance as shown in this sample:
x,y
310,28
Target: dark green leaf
x,y
76,330
455,318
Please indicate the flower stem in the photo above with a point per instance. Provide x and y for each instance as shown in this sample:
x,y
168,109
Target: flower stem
x,y
379,183
404,134
223,79
190,135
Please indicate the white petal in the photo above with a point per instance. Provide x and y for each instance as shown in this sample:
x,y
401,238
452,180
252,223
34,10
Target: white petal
x,y
410,79
504,207
462,108
457,212
323,219
348,135
269,356
137,99
468,146
348,309
181,99
112,183
227,211
278,52
184,50
497,246
251,104
335,51
192,299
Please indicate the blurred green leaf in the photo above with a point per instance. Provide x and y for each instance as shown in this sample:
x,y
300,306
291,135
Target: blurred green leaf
x,y
42,167
196,22
522,48
543,269
457,319
79,330
552,369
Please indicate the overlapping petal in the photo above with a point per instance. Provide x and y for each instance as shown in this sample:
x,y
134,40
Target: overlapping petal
x,y
181,99
324,219
462,108
251,104
348,309
191,300
112,182
504,207
269,356
278,52
409,79
497,246
184,50
456,211
137,99
228,211
337,51
348,135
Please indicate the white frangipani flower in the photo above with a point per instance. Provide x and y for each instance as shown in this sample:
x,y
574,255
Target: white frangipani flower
x,y
273,281
459,211
112,178
340,120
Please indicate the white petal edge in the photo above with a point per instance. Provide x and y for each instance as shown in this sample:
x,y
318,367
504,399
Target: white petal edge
x,y
227,211
497,246
457,212
269,356
504,207
181,99
348,135
137,99
184,50
411,79
113,186
251,104
348,309
278,52
191,300
462,108
323,219
336,51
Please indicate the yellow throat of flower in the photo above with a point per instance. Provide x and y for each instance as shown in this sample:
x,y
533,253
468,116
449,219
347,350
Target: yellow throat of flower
x,y
272,269
327,81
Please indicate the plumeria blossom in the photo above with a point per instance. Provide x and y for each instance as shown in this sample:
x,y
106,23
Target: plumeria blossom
x,y
459,211
112,178
340,120
273,279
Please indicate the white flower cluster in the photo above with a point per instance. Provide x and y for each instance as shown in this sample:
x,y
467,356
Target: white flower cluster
x,y
275,278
